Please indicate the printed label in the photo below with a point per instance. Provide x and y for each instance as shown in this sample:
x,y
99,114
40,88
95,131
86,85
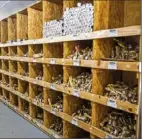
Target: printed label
x,y
112,65
74,121
111,103
112,32
52,61
76,62
53,111
53,87
75,92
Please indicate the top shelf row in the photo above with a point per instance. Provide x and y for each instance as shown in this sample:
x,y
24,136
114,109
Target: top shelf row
x,y
29,24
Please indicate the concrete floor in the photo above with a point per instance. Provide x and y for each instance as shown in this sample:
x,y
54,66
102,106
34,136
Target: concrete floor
x,y
14,126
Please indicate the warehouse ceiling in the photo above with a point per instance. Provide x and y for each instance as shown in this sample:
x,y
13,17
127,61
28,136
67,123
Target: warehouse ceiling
x,y
9,7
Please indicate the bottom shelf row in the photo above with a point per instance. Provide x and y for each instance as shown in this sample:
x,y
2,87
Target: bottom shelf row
x,y
53,126
117,123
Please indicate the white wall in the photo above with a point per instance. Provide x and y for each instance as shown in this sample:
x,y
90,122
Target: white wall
x,y
9,7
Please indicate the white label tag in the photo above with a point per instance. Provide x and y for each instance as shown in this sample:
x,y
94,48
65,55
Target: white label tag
x,y
111,103
35,102
53,87
34,41
112,33
76,62
112,65
52,111
34,82
75,92
34,60
52,61
74,121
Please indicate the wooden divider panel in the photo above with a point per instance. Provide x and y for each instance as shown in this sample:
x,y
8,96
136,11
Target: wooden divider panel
x,y
34,24
4,31
12,29
22,26
132,13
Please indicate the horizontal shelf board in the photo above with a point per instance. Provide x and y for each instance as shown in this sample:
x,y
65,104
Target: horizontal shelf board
x,y
95,131
121,65
119,32
126,106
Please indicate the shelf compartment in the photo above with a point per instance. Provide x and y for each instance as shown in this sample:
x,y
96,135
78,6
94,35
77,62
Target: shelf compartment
x,y
13,83
53,123
35,21
51,72
23,68
5,65
36,71
4,31
35,50
5,94
13,66
12,51
72,131
53,50
12,28
4,52
23,105
5,79
22,51
22,25
23,89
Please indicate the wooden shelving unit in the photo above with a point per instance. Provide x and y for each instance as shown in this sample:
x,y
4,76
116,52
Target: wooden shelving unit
x,y
19,69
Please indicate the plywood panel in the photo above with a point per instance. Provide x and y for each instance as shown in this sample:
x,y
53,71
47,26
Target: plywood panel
x,y
34,24
132,12
22,26
4,31
12,33
52,11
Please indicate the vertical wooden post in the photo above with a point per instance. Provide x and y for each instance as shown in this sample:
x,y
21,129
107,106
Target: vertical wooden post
x,y
111,17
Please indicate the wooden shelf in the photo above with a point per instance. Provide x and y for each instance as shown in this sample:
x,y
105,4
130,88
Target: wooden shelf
x,y
97,64
121,32
126,106
25,30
